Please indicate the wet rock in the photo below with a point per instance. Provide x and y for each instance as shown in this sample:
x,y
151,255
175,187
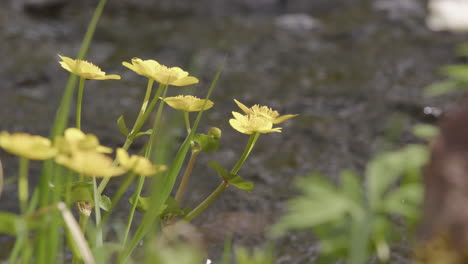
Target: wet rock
x,y
40,8
297,22
400,9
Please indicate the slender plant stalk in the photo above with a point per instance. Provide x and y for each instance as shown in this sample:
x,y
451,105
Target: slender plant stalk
x,y
149,88
97,212
139,188
187,121
252,140
138,125
23,186
79,101
186,176
203,205
215,194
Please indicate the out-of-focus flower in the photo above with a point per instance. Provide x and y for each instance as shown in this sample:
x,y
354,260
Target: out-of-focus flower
x,y
153,70
27,146
85,69
90,163
249,124
448,15
188,103
265,112
75,140
138,164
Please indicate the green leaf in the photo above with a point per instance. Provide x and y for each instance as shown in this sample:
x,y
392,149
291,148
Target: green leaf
x,y
122,126
458,72
82,191
147,132
241,183
105,203
386,168
222,172
206,142
405,200
321,203
351,186
8,223
441,88
232,179
425,131
142,203
173,206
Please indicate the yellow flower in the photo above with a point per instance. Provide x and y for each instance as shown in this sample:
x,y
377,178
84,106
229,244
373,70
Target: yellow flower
x,y
27,146
249,124
85,69
90,163
265,112
188,103
75,140
138,164
153,70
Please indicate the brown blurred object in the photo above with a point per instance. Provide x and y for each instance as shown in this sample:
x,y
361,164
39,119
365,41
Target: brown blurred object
x,y
444,225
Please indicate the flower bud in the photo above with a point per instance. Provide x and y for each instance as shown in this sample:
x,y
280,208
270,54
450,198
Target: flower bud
x,y
215,133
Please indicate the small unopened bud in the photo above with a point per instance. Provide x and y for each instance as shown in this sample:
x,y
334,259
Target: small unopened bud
x,y
84,207
215,133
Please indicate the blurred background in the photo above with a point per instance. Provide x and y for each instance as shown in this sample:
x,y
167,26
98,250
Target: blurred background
x,y
354,71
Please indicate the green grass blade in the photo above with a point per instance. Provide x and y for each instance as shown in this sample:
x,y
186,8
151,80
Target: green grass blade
x,y
48,236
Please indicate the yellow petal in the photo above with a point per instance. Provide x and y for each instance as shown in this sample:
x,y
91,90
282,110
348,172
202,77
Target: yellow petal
x,y
243,107
138,164
27,146
237,125
198,105
283,118
90,163
84,69
108,77
185,81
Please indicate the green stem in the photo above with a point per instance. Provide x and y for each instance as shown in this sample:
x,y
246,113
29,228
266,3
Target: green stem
x,y
120,192
79,102
203,205
83,221
97,211
138,120
23,188
105,181
139,188
186,177
252,140
156,124
206,202
137,126
187,121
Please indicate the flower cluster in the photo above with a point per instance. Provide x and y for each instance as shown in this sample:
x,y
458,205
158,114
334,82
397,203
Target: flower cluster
x,y
79,152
